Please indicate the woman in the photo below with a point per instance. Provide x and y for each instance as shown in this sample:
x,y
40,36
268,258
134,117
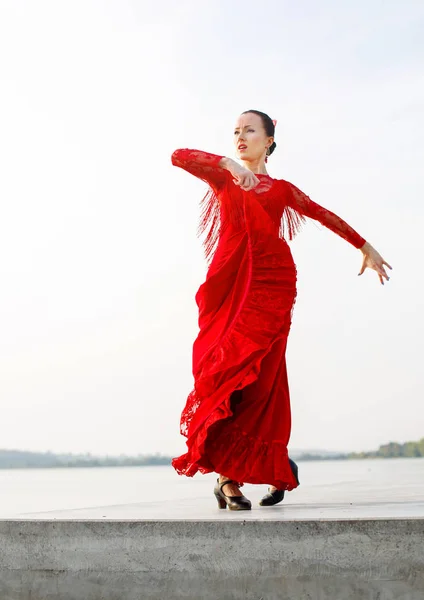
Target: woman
x,y
237,418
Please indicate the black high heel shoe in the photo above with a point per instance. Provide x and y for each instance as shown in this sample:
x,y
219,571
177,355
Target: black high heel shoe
x,y
278,495
233,502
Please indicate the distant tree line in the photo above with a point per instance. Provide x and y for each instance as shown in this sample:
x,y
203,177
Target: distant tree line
x,y
21,459
390,450
318,456
394,450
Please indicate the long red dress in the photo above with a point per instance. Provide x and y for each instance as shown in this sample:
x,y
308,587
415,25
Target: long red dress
x,y
237,418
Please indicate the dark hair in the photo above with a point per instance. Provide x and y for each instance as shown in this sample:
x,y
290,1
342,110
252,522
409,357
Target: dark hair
x,y
268,126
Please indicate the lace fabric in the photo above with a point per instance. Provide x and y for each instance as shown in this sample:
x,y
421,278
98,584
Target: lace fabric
x,y
203,165
304,206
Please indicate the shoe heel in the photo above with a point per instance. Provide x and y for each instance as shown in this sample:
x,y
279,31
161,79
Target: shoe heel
x,y
295,470
221,501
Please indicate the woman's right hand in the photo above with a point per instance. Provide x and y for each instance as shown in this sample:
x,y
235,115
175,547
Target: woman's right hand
x,y
374,260
241,176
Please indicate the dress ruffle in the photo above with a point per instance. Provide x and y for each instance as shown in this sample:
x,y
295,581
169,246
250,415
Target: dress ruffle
x,y
242,457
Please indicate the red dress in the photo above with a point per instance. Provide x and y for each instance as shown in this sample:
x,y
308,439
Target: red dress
x,y
237,418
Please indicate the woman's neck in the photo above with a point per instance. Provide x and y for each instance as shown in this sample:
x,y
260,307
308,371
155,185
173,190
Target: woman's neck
x,y
257,167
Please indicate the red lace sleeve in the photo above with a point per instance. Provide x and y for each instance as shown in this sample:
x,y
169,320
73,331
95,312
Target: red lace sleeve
x,y
203,165
301,203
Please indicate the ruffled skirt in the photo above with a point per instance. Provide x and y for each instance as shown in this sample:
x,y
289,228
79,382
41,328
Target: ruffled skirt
x,y
237,419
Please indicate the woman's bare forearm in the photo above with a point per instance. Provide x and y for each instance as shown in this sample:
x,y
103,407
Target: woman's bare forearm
x,y
365,248
227,163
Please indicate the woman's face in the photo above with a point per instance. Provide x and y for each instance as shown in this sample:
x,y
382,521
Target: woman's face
x,y
250,139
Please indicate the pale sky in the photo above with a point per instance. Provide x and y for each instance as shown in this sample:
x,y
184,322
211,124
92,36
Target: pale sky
x,y
99,259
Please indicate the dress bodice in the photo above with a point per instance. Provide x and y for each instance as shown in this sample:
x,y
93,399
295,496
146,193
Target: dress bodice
x,y
274,205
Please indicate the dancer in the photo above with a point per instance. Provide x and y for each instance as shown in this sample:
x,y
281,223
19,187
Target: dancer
x,y
237,419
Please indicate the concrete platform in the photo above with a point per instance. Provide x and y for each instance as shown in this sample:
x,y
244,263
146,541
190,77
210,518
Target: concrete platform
x,y
190,549
205,509
350,535
222,559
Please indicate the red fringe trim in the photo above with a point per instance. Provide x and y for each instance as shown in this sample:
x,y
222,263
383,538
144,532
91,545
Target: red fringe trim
x,y
214,218
210,222
291,222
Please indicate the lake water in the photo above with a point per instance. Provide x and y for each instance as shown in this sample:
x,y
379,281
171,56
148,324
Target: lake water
x,y
381,487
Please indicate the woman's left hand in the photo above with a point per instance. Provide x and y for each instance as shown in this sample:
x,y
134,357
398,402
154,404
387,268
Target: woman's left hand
x,y
374,260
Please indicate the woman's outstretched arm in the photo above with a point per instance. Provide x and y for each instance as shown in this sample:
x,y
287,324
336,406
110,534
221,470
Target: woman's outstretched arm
x,y
213,168
204,165
307,207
